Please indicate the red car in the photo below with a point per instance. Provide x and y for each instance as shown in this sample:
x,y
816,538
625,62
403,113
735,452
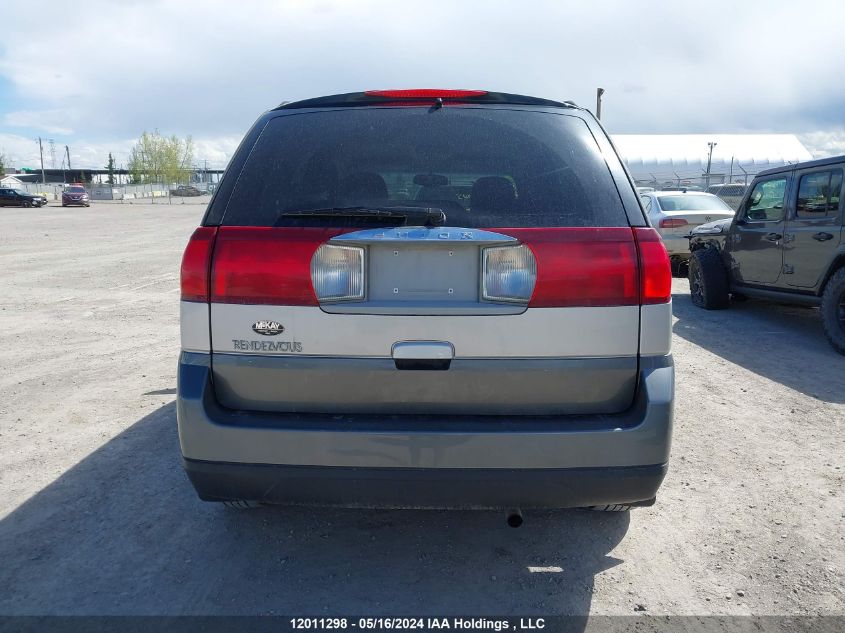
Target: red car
x,y
75,194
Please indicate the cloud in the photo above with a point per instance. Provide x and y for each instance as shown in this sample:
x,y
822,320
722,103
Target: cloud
x,y
208,69
824,143
50,121
21,151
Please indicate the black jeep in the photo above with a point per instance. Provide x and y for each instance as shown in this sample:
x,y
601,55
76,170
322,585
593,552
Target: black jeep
x,y
785,244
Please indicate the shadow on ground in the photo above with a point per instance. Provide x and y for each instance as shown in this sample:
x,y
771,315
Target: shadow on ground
x,y
123,533
783,343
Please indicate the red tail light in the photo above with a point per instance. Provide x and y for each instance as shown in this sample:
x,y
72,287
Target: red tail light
x,y
426,93
582,266
597,266
266,265
672,223
196,263
655,272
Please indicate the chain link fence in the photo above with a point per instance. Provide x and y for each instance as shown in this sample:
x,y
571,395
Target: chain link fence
x,y
151,192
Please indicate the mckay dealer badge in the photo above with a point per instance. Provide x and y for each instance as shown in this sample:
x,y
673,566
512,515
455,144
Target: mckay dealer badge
x,y
267,328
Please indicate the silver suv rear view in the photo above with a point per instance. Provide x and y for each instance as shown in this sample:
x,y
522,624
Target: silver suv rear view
x,y
426,298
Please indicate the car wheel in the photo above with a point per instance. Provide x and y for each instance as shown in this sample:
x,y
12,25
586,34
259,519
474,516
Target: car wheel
x,y
833,310
611,508
708,279
27,204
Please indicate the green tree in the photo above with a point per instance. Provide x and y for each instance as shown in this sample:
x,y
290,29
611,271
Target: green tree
x,y
2,164
110,167
159,159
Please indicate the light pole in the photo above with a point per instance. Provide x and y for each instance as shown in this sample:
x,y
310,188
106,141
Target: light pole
x,y
711,145
599,93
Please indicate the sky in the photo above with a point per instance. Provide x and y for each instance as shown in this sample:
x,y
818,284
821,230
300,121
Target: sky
x,y
95,77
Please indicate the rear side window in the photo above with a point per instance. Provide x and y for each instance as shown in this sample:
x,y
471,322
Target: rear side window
x,y
483,167
818,194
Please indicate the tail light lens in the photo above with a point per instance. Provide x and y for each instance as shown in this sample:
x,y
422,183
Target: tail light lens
x,y
655,271
337,273
509,273
582,266
196,263
266,265
673,223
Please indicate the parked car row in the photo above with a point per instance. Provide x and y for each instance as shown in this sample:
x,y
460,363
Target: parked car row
x,y
74,194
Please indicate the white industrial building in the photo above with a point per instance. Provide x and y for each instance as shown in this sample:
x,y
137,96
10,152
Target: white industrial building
x,y
682,159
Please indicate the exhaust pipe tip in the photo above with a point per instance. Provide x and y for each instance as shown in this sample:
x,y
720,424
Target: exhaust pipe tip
x,y
514,519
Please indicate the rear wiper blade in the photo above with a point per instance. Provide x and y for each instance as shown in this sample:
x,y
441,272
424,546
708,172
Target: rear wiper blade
x,y
425,216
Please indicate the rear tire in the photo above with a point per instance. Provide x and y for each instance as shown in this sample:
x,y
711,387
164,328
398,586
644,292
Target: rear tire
x,y
611,508
833,310
708,279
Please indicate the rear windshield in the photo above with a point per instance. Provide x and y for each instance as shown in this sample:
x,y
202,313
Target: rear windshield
x,y
692,203
483,167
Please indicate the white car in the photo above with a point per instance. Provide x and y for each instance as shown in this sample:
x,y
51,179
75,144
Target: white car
x,y
675,213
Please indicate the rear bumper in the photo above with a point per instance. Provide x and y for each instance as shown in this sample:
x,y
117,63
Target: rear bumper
x,y
426,460
425,488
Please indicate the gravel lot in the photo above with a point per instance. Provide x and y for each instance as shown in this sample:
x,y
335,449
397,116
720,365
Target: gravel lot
x,y
96,516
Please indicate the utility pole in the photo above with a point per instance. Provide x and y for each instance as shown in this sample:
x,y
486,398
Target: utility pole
x,y
41,152
599,93
711,145
67,151
52,153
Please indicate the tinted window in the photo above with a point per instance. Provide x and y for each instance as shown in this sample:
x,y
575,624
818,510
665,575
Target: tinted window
x,y
766,200
692,203
818,194
482,167
76,189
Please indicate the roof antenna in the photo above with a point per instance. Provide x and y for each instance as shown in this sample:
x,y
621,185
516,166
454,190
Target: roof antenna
x,y
438,103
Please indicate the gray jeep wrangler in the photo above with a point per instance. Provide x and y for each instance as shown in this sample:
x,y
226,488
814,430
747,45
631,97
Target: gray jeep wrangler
x,y
785,244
